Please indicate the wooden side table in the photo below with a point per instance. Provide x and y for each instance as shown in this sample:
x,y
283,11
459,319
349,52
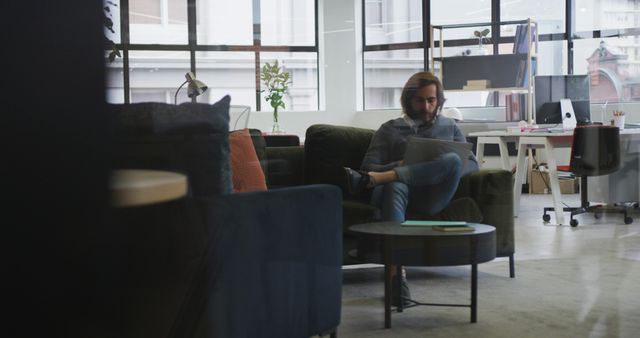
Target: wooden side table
x,y
135,187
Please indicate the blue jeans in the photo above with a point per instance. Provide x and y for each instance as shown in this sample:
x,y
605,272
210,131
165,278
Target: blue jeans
x,y
433,182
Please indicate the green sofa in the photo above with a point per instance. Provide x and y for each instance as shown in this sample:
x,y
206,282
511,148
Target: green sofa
x,y
328,148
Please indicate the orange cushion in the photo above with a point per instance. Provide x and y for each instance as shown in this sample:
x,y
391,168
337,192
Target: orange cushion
x,y
246,172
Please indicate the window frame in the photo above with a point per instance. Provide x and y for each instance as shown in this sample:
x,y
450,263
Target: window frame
x,y
124,46
570,35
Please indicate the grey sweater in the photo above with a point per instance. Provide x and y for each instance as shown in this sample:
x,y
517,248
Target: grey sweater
x,y
389,143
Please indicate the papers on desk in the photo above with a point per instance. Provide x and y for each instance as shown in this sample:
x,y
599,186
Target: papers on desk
x,y
565,175
561,174
550,130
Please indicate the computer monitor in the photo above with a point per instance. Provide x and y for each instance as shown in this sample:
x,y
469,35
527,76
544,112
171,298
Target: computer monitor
x,y
550,89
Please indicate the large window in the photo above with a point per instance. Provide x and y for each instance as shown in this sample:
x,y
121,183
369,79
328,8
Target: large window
x,y
224,43
609,48
393,49
603,42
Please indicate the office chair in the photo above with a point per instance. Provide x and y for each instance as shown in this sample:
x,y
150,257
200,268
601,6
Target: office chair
x,y
595,151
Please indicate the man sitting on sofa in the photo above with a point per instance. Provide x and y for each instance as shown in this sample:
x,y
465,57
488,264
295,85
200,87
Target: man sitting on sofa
x,y
383,169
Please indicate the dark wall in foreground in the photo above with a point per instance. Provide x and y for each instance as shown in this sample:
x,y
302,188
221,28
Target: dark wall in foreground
x,y
54,165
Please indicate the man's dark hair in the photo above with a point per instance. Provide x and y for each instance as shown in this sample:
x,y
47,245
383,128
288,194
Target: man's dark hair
x,y
415,83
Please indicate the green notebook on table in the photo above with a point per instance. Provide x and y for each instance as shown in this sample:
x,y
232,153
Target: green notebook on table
x,y
411,223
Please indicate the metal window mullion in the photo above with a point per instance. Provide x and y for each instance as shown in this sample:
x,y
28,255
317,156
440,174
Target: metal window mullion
x,y
495,25
495,36
193,38
257,42
251,48
426,33
316,37
125,41
364,49
570,28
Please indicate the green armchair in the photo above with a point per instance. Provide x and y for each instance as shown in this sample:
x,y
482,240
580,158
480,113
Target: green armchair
x,y
328,148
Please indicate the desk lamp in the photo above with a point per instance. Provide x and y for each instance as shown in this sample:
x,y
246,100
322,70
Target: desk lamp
x,y
195,88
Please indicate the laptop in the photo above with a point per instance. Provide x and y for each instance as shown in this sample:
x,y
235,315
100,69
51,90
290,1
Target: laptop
x,y
420,149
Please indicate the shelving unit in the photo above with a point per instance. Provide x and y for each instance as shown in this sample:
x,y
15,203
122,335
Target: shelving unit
x,y
506,72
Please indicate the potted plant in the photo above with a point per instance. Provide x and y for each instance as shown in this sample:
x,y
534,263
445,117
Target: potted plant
x,y
276,82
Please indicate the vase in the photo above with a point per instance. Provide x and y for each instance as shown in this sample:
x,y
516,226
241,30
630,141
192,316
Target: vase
x,y
275,128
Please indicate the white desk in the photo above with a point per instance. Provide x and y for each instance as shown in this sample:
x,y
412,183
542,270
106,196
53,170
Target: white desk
x,y
525,140
494,137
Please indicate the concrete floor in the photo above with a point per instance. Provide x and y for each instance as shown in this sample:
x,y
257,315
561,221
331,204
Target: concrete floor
x,y
570,282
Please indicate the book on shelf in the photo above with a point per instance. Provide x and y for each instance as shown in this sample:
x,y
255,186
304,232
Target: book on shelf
x,y
417,223
477,85
515,106
522,65
464,228
516,38
483,83
467,87
527,75
507,107
522,107
520,40
523,75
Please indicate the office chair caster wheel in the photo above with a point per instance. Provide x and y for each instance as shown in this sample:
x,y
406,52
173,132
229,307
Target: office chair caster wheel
x,y
628,220
546,218
573,223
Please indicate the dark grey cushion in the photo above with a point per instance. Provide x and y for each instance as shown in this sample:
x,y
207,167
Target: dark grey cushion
x,y
191,138
328,149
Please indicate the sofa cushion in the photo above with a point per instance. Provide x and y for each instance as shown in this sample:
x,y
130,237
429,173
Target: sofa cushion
x,y
285,166
247,174
492,190
191,138
328,149
259,143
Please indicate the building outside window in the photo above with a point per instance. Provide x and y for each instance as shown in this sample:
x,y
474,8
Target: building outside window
x,y
231,45
612,60
604,45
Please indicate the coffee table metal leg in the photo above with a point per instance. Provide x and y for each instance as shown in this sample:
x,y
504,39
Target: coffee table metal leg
x,y
387,249
474,281
387,296
398,290
474,292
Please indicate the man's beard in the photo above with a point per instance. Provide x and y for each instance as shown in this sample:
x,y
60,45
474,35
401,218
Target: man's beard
x,y
427,118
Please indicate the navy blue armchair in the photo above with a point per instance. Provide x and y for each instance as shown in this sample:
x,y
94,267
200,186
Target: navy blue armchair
x,y
216,263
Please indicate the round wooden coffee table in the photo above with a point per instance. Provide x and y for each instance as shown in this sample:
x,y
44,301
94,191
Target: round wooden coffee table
x,y
391,244
135,187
